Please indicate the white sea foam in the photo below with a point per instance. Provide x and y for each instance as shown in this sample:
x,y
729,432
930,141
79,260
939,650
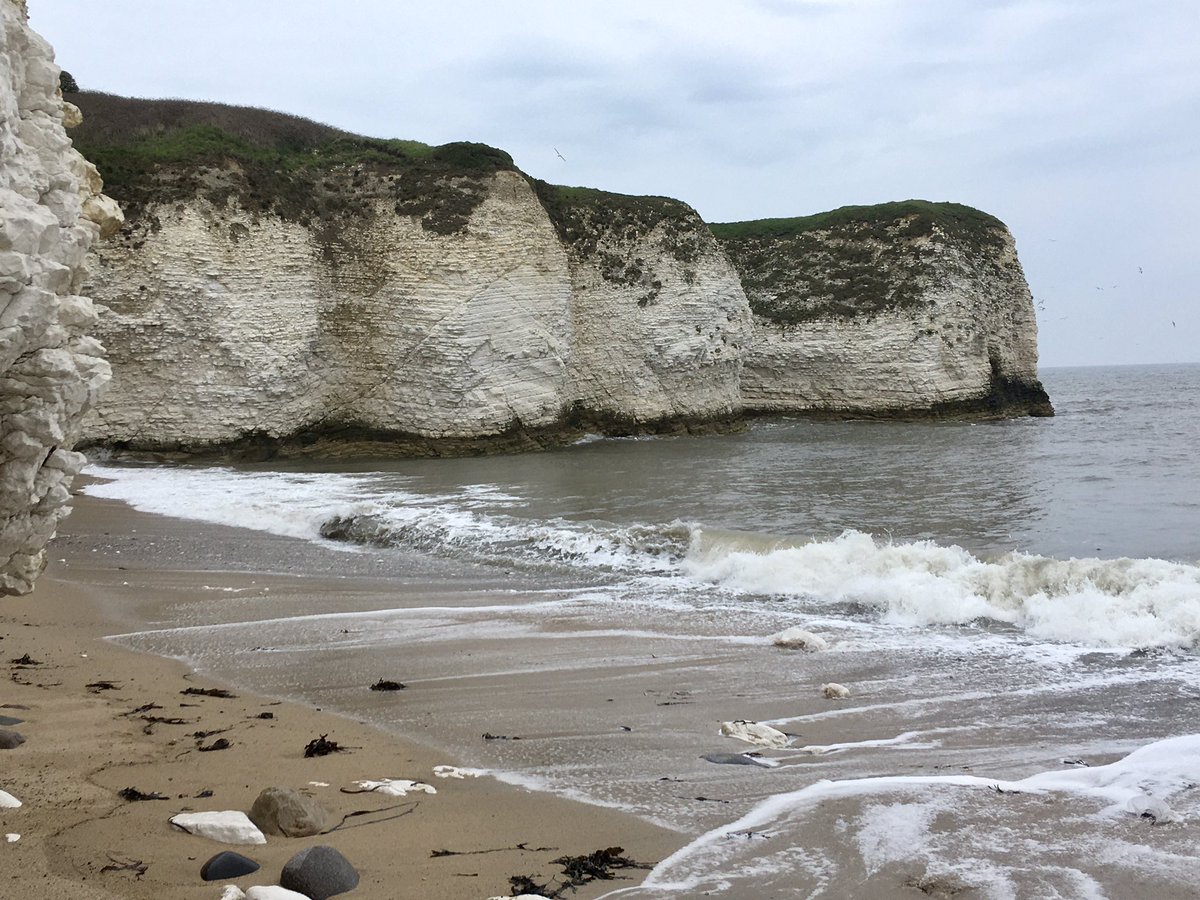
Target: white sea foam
x,y
897,812
1122,602
287,504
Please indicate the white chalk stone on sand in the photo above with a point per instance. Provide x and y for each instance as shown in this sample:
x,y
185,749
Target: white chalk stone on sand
x,y
755,733
12,838
799,639
8,801
229,826
455,772
835,691
232,892
272,892
397,787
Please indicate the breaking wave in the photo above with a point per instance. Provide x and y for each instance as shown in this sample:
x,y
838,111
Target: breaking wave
x,y
638,548
1093,602
1097,602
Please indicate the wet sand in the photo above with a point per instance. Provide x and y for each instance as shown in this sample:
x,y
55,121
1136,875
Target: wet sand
x,y
88,707
621,709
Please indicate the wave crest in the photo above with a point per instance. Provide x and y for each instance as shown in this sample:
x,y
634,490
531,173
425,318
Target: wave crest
x,y
1107,603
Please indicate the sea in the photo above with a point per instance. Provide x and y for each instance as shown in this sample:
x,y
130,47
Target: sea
x,y
1013,608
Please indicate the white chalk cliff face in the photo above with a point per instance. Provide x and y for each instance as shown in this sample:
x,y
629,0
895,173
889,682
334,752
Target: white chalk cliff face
x,y
51,210
226,327
359,297
935,324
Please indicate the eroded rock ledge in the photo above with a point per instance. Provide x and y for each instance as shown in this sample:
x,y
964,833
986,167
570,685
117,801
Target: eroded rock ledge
x,y
51,210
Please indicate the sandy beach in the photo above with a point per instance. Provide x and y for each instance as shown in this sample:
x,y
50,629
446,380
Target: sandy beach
x,y
98,718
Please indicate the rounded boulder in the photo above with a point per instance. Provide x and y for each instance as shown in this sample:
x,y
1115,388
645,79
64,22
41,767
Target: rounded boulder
x,y
279,810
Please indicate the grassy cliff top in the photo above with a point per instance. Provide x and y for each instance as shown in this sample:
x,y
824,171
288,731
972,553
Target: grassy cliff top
x,y
849,262
155,150
957,220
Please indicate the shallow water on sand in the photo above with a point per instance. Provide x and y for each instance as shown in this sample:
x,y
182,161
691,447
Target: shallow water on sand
x,y
1002,600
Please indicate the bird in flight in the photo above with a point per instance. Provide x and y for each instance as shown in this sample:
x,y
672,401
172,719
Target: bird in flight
x,y
559,155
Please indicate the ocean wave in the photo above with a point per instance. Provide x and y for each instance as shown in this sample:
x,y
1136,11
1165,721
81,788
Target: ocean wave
x,y
1093,602
449,529
1096,602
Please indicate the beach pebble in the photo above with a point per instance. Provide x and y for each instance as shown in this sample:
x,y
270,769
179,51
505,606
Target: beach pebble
x,y
319,872
396,787
10,739
799,639
230,826
739,759
754,733
8,801
10,720
12,838
835,691
232,892
227,864
280,810
272,892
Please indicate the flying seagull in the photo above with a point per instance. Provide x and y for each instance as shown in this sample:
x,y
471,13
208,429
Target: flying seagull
x,y
559,155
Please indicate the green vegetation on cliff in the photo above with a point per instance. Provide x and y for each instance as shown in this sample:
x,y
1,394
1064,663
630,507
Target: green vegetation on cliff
x,y
851,261
960,222
159,151
608,228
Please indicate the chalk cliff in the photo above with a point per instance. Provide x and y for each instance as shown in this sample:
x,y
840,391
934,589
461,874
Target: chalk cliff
x,y
51,210
409,298
281,286
900,309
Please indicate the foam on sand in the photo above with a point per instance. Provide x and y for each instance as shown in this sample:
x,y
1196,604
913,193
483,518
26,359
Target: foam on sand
x,y
1073,816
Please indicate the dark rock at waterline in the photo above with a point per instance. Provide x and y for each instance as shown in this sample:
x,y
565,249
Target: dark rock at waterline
x,y
734,759
227,864
319,872
10,720
384,685
10,740
279,810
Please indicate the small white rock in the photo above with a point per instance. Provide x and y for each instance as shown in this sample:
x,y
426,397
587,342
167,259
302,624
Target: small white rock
x,y
835,691
12,838
755,733
799,639
396,787
230,826
273,892
232,892
8,801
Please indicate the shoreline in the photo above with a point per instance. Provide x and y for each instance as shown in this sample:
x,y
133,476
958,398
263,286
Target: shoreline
x,y
86,739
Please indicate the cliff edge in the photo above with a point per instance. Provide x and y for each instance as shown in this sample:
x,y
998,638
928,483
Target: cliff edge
x,y
910,309
51,211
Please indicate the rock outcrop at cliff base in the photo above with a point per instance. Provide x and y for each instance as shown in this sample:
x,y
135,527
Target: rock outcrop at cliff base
x,y
51,210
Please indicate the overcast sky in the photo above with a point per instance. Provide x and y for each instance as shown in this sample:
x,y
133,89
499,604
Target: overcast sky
x,y
1077,122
